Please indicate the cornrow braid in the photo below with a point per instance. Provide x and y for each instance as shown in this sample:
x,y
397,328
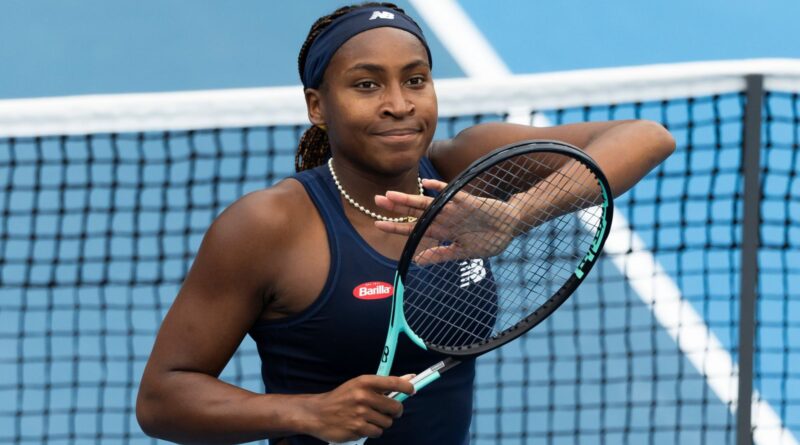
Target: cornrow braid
x,y
314,148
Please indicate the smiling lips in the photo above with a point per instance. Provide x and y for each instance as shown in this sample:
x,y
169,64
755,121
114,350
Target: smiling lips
x,y
399,134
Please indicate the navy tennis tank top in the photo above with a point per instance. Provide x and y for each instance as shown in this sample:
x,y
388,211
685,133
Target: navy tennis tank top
x,y
341,335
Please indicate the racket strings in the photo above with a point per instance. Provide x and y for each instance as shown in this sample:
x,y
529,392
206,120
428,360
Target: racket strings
x,y
456,325
566,182
578,200
523,254
471,300
468,300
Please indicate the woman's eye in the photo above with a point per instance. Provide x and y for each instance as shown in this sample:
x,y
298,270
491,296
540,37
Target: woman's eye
x,y
416,80
366,84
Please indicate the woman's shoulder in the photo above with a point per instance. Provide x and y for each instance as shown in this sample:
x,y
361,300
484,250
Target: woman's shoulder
x,y
272,214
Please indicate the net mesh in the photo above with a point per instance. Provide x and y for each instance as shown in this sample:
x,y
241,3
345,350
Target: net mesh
x,y
777,359
604,368
98,230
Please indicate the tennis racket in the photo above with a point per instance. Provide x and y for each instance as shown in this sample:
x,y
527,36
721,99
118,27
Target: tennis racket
x,y
496,252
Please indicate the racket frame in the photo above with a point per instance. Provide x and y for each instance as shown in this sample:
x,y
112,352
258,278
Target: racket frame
x,y
560,296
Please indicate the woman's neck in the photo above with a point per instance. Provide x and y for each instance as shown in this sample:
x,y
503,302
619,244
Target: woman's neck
x,y
361,186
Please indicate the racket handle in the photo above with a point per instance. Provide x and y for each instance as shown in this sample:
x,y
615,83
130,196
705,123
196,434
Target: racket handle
x,y
419,381
355,442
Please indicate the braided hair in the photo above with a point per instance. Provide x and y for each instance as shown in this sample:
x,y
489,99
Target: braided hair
x,y
314,148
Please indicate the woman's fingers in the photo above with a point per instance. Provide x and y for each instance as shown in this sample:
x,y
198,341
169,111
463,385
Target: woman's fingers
x,y
409,204
439,254
403,203
357,408
406,205
434,184
393,227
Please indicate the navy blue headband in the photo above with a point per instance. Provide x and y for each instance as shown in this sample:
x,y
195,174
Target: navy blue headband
x,y
343,29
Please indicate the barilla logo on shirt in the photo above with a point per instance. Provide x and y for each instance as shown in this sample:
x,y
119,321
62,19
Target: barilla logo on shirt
x,y
373,290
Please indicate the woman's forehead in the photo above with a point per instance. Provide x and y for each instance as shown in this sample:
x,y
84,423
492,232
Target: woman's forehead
x,y
379,44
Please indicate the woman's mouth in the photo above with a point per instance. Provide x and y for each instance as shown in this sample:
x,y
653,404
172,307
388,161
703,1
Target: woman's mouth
x,y
399,134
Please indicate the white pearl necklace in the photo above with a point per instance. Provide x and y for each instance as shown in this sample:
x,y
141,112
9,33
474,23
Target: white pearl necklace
x,y
366,210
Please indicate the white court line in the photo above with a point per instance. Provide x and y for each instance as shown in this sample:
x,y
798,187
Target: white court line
x,y
461,38
626,249
687,328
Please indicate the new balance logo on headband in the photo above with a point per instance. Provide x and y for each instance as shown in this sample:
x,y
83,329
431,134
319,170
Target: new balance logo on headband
x,y
386,15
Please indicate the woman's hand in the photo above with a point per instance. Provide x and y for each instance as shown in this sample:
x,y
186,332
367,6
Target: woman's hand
x,y
357,408
473,226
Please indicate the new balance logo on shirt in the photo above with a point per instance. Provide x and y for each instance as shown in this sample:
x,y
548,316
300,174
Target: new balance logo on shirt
x,y
471,271
386,15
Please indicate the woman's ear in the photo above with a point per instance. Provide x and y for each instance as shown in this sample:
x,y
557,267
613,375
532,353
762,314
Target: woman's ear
x,y
316,113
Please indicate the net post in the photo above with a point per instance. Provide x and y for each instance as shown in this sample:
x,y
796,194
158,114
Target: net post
x,y
751,166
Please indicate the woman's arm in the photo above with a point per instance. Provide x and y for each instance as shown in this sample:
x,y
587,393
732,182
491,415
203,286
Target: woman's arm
x,y
180,397
625,150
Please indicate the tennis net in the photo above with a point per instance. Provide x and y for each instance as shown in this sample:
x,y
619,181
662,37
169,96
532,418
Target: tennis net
x,y
105,200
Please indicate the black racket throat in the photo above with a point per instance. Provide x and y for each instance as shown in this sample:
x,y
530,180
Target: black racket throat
x,y
546,264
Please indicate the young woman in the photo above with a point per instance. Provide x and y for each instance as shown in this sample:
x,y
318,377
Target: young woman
x,y
295,265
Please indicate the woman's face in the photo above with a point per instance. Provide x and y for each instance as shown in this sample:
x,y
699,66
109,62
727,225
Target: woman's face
x,y
378,101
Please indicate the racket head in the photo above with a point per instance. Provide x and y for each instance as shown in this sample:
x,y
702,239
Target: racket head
x,y
468,306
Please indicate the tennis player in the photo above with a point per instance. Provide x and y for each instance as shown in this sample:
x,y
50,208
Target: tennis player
x,y
305,267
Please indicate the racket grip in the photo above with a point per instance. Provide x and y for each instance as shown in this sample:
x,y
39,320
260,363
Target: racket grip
x,y
419,381
355,442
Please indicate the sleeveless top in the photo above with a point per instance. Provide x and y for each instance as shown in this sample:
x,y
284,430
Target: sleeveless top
x,y
342,333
